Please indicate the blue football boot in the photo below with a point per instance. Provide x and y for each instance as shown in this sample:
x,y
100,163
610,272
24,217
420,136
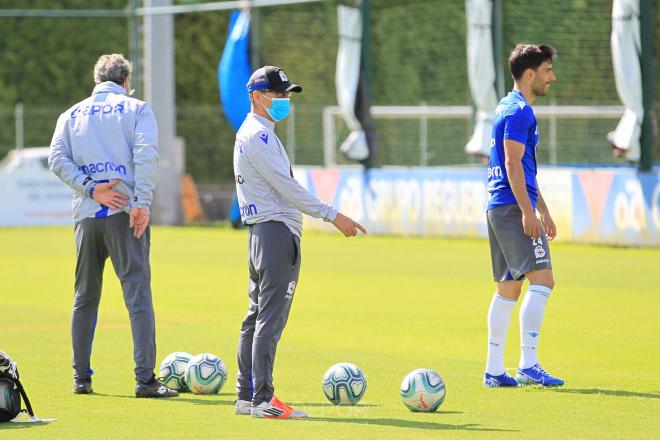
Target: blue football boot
x,y
503,380
536,375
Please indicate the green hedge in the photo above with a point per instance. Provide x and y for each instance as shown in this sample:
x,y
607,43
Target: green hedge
x,y
418,55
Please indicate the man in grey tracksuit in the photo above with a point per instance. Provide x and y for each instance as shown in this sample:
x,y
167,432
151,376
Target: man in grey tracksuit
x,y
105,149
271,202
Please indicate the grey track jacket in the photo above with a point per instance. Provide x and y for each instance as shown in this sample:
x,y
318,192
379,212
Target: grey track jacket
x,y
265,185
107,136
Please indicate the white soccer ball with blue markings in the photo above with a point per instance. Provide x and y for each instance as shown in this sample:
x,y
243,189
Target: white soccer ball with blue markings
x,y
423,390
205,374
172,370
344,384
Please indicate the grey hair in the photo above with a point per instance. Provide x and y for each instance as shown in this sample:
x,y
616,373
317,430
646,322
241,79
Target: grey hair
x,y
252,103
113,68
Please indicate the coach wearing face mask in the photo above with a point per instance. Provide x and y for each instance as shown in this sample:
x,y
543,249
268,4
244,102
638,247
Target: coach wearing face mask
x,y
271,203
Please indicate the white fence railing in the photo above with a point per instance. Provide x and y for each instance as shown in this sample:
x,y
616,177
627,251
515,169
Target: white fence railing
x,y
424,113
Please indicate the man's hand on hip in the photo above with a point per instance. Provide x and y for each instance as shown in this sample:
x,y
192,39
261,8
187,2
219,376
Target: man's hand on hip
x,y
347,225
139,220
106,196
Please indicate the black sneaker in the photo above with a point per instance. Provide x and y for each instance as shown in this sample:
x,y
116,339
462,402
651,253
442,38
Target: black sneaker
x,y
153,388
82,386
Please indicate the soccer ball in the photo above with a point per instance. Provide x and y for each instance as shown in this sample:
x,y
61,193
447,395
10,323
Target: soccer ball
x,y
172,370
344,384
205,374
423,390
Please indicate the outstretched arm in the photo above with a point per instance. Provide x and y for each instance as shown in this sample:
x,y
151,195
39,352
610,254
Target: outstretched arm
x,y
275,170
347,225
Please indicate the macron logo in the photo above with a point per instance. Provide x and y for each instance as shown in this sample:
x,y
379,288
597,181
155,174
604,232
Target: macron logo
x,y
264,137
103,167
533,334
248,210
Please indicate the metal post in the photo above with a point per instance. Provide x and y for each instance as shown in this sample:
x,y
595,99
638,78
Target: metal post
x,y
648,77
423,137
18,119
367,62
291,135
159,93
366,84
329,157
255,58
134,49
552,150
497,47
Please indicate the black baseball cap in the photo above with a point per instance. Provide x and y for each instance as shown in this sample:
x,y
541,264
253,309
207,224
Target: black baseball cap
x,y
271,78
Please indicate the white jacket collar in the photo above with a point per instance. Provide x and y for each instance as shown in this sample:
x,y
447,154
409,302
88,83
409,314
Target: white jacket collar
x,y
109,87
264,121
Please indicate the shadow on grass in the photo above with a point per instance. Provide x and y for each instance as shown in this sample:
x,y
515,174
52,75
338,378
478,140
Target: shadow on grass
x,y
359,405
401,423
21,425
183,398
328,404
208,401
616,393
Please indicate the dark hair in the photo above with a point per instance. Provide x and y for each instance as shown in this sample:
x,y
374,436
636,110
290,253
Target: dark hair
x,y
529,56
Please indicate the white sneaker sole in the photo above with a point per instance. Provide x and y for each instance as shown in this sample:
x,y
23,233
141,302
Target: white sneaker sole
x,y
295,415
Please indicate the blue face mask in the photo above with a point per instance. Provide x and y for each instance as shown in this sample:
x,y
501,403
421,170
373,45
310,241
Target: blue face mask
x,y
279,108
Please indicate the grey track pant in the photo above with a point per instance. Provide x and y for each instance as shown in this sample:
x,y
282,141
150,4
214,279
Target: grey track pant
x,y
96,240
274,266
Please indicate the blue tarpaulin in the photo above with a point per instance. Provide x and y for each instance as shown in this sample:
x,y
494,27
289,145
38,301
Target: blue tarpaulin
x,y
234,69
233,74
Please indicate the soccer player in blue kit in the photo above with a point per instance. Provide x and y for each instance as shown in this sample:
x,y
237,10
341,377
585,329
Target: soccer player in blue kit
x,y
518,238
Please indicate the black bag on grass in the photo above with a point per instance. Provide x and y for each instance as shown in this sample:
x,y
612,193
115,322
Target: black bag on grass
x,y
10,400
11,390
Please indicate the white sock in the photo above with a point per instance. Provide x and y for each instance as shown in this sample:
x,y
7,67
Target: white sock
x,y
499,316
531,317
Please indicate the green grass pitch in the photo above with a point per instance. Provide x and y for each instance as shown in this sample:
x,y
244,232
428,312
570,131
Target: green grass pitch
x,y
389,305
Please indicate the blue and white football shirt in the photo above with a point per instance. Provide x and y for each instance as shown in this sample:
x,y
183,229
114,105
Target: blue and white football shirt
x,y
514,120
